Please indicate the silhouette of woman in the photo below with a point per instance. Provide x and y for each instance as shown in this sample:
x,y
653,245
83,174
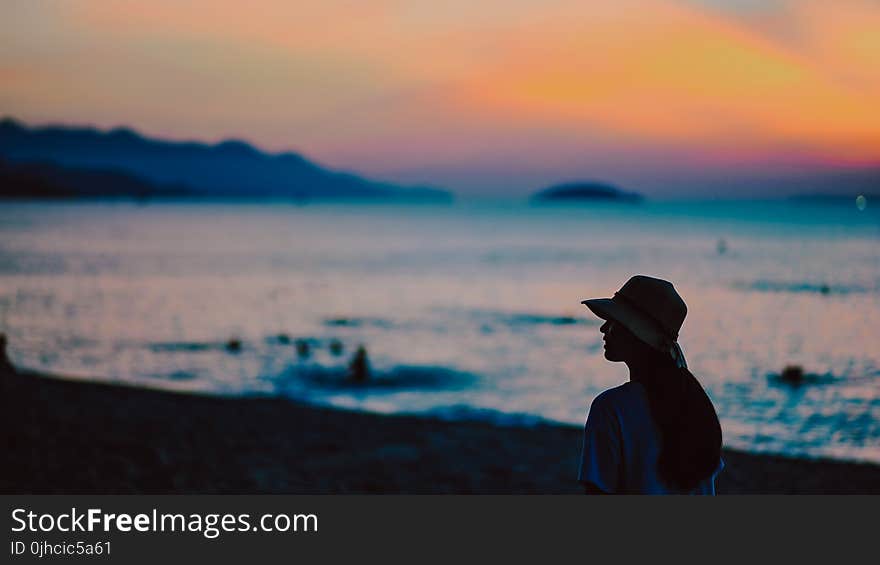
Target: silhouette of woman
x,y
657,433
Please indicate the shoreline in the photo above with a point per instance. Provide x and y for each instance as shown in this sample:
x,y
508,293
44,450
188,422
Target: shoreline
x,y
79,437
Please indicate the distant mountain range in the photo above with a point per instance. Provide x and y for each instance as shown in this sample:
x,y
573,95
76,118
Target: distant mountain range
x,y
585,191
45,180
65,160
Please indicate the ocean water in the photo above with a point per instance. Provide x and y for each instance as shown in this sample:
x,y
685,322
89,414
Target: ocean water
x,y
468,310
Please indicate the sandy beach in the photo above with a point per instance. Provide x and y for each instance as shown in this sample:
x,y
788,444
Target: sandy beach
x,y
66,436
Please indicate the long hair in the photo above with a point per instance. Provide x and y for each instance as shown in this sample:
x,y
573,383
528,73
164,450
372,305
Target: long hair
x,y
690,432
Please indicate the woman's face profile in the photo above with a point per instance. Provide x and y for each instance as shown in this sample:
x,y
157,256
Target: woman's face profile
x,y
620,343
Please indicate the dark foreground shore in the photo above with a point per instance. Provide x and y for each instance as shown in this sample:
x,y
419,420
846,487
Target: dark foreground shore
x,y
63,436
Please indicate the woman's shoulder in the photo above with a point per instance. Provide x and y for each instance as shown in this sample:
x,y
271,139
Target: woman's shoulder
x,y
624,394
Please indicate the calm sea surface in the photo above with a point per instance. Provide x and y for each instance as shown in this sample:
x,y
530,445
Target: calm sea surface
x,y
468,310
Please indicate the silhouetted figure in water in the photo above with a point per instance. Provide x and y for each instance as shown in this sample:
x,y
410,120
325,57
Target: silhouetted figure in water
x,y
792,374
6,366
359,368
336,347
657,433
303,349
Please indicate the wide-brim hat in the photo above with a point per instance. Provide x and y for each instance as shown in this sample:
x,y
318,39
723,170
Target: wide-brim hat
x,y
649,308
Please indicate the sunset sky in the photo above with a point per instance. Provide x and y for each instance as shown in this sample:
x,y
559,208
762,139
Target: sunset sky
x,y
489,97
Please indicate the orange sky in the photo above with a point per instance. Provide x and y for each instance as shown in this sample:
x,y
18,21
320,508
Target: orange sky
x,y
503,95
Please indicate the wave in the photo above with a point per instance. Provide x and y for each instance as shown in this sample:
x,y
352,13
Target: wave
x,y
177,376
802,287
357,322
187,346
400,378
794,376
465,413
540,319
525,319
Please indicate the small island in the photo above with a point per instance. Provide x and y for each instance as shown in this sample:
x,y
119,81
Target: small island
x,y
585,191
